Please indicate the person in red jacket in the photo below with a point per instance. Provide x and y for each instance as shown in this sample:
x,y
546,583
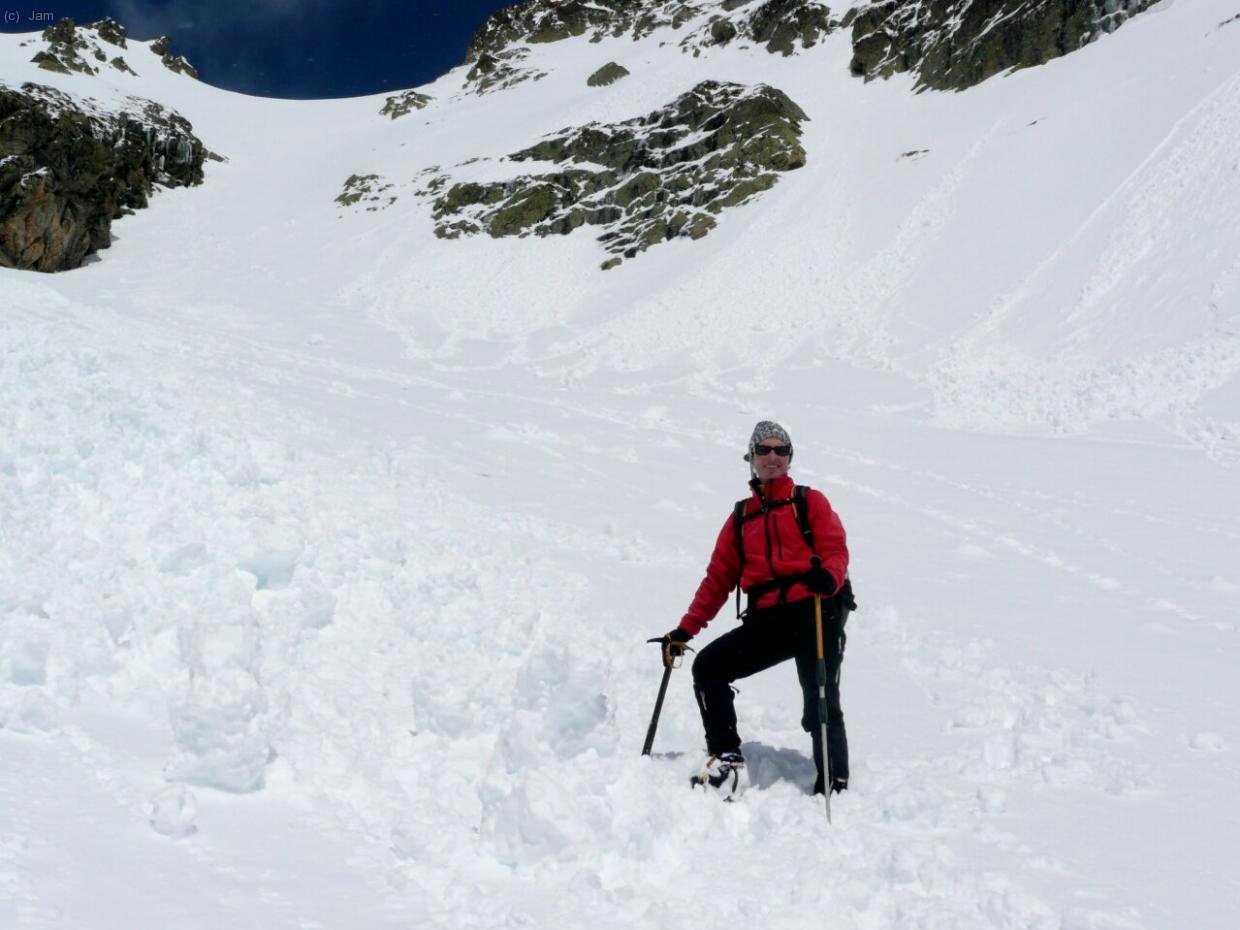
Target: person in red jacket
x,y
780,576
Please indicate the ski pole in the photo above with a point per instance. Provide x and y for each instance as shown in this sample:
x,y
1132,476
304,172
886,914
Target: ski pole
x,y
822,706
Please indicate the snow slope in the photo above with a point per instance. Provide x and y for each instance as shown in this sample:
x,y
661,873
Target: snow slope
x,y
328,549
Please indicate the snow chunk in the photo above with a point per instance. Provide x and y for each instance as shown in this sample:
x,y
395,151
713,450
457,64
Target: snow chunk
x,y
220,719
173,811
29,711
24,650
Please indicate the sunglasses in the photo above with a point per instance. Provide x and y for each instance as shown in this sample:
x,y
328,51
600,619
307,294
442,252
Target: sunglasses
x,y
781,451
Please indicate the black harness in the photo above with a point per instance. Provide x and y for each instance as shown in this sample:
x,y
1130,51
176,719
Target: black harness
x,y
783,583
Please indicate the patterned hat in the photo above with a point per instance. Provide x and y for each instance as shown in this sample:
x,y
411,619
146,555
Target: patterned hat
x,y
767,429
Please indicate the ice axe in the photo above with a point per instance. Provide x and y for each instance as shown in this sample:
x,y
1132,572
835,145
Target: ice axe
x,y
658,703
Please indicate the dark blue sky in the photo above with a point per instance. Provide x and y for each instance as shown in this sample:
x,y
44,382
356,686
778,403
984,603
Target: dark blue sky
x,y
290,48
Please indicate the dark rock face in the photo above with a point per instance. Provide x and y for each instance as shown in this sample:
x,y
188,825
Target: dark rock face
x,y
781,26
664,175
67,172
404,103
955,44
608,74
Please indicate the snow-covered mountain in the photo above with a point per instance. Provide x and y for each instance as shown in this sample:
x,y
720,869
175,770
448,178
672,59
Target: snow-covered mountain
x,y
342,483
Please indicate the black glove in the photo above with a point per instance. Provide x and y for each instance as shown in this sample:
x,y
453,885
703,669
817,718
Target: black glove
x,y
673,646
819,580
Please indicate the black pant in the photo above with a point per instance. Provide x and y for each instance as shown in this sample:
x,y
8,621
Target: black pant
x,y
766,638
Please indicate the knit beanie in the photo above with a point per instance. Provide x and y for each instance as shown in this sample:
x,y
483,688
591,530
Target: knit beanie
x,y
767,429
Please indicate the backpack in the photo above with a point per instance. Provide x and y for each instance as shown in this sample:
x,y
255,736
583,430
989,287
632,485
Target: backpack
x,y
799,502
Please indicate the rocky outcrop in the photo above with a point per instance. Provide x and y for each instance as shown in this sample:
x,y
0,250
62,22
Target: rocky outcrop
x,y
111,31
404,103
68,169
665,175
80,48
175,63
370,189
955,44
70,49
500,71
607,75
780,26
538,21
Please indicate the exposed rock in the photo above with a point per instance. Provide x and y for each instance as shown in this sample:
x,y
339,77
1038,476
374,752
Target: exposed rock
x,y
175,63
404,103
366,187
69,46
66,49
500,71
67,170
110,31
782,26
660,176
536,21
120,64
608,74
955,44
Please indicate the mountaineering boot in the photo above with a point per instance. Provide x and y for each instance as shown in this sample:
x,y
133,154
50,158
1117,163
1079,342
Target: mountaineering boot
x,y
725,773
837,785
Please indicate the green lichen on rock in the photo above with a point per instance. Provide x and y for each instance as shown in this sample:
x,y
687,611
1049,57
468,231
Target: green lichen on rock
x,y
67,171
606,75
647,180
368,188
955,44
404,103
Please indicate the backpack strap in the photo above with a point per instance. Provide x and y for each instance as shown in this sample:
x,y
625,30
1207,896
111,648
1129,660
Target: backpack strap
x,y
800,503
844,596
738,520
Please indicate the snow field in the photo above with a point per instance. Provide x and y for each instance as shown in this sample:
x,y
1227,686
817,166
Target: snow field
x,y
455,688
328,550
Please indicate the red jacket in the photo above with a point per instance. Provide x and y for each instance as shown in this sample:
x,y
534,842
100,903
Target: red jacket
x,y
774,547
